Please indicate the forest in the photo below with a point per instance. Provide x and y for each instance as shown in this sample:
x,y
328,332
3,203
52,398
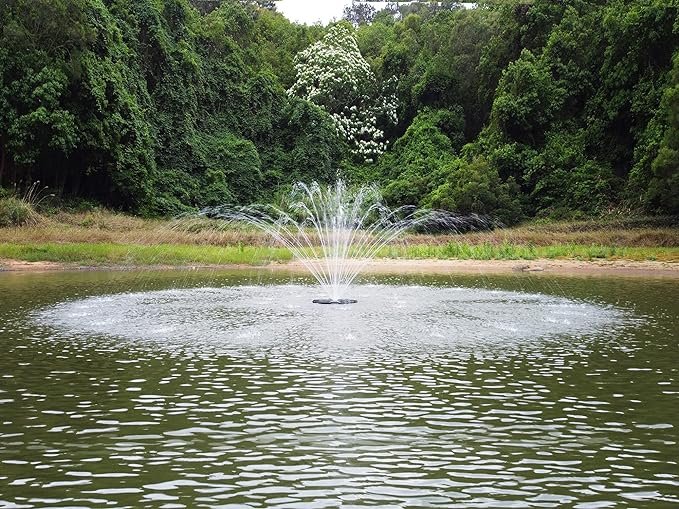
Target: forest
x,y
513,108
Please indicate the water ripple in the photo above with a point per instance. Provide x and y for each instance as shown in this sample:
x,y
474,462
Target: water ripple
x,y
247,397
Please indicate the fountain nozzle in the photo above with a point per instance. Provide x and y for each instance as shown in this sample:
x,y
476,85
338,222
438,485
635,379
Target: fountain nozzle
x,y
335,301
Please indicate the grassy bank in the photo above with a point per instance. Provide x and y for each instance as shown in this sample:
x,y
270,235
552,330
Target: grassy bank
x,y
107,227
135,254
104,238
507,251
178,254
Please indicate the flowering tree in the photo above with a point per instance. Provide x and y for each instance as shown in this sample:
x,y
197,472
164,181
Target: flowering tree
x,y
333,74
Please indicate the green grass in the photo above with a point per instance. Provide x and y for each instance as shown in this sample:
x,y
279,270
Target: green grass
x,y
179,254
507,251
129,254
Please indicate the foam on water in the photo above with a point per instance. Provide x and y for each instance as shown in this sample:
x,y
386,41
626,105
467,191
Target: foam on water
x,y
387,317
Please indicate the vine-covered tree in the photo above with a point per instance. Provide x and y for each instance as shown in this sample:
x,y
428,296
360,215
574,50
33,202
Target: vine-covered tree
x,y
158,106
149,105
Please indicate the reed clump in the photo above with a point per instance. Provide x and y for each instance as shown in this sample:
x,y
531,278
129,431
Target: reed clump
x,y
15,212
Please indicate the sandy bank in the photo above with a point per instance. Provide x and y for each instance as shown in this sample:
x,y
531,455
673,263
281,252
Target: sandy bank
x,y
400,266
537,267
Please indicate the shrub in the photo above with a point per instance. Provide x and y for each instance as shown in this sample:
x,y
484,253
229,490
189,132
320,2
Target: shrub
x,y
16,212
474,187
420,159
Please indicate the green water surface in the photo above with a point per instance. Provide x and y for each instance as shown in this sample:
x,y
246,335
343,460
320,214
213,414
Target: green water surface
x,y
103,422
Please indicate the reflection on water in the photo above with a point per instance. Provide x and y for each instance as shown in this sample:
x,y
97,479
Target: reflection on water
x,y
563,394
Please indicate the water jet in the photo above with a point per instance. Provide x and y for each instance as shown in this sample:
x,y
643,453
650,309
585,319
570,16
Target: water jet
x,y
335,230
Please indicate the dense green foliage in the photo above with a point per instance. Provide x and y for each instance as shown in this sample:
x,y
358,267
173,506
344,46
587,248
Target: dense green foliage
x,y
514,108
151,106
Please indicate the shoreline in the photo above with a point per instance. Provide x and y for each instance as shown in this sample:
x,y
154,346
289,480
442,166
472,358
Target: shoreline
x,y
562,267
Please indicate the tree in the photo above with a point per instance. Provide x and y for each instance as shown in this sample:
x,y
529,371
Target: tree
x,y
333,74
663,187
359,13
474,187
73,114
526,100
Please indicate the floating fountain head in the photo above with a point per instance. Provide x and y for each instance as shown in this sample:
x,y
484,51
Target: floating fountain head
x,y
334,301
334,231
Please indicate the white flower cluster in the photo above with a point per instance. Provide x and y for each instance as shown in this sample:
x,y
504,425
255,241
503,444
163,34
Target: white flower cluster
x,y
388,102
359,129
333,74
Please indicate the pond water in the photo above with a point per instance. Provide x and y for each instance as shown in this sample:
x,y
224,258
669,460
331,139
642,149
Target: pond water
x,y
231,389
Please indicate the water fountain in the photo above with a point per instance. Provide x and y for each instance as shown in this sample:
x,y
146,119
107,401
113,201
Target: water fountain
x,y
232,388
334,231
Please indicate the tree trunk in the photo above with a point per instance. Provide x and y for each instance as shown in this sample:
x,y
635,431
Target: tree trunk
x,y
76,183
3,159
61,180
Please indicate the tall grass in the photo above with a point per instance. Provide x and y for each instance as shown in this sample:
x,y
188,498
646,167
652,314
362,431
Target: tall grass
x,y
22,209
16,212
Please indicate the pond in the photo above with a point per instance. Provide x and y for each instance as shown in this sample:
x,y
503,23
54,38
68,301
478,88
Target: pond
x,y
231,389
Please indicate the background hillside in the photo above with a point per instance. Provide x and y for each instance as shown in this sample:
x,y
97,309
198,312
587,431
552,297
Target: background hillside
x,y
514,108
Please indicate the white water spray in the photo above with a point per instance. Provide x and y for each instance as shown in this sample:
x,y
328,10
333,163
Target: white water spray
x,y
334,231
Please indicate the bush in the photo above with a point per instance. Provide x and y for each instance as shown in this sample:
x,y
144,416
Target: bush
x,y
475,188
421,157
231,169
16,212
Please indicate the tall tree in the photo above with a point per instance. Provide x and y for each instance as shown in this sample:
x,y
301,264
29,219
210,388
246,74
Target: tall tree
x,y
359,13
333,74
